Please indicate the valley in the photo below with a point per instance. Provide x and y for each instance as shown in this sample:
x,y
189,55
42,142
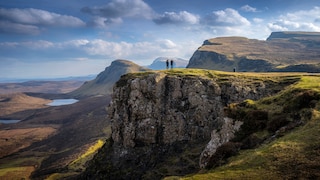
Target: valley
x,y
55,140
48,137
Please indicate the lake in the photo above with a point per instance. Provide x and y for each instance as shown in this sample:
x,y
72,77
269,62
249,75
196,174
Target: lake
x,y
5,121
60,102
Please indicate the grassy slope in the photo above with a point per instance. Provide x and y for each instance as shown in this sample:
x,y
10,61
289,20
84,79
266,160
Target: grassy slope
x,y
295,153
284,51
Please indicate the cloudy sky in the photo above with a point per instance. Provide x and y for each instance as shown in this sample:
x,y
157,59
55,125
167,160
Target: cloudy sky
x,y
45,38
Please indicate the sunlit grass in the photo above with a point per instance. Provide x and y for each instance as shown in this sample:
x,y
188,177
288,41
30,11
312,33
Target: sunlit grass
x,y
284,158
309,82
79,163
57,176
292,156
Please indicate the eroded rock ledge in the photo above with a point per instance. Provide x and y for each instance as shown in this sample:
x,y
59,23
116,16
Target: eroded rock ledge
x,y
161,109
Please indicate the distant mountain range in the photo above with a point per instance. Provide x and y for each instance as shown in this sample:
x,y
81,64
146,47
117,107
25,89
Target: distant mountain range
x,y
160,63
282,51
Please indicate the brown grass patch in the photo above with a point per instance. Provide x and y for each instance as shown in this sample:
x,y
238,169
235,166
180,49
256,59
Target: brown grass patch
x,y
13,140
12,103
16,173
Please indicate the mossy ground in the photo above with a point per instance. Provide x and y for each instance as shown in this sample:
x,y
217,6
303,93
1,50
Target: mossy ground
x,y
286,128
79,164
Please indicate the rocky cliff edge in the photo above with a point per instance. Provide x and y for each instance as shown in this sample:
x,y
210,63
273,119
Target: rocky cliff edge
x,y
152,112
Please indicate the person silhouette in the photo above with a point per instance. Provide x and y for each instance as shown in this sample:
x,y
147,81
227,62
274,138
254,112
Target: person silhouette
x,y
167,63
171,63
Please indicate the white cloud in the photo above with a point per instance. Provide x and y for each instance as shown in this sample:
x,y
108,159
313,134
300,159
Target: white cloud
x,y
248,8
183,17
305,20
97,48
15,28
167,44
138,51
40,44
258,20
103,22
116,10
30,21
227,17
39,17
276,27
75,43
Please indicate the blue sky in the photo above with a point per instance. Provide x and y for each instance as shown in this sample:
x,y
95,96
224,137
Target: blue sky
x,y
45,38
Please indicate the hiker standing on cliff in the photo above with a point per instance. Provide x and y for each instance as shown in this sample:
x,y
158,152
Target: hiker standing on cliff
x,y
171,63
167,63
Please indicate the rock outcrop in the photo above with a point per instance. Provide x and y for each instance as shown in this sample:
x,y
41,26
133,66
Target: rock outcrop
x,y
282,51
163,109
153,112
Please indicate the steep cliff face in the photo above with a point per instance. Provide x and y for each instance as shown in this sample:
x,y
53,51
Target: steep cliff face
x,y
163,109
159,109
153,113
294,34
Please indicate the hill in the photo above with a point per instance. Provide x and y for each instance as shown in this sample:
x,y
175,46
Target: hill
x,y
12,103
160,63
103,83
282,51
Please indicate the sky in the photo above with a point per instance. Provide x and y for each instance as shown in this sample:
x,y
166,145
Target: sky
x,y
46,39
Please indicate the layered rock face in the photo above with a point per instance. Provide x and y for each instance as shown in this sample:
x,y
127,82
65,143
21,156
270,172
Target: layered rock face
x,y
158,110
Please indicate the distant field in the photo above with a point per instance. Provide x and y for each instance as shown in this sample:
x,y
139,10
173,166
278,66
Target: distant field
x,y
13,140
54,87
12,103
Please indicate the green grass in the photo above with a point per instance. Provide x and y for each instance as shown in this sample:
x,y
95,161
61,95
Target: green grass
x,y
309,82
79,163
221,75
295,154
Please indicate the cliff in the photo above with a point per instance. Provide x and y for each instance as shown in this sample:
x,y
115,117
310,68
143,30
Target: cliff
x,y
174,116
294,34
282,52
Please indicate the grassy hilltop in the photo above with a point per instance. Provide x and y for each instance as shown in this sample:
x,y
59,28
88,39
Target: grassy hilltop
x,y
281,52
